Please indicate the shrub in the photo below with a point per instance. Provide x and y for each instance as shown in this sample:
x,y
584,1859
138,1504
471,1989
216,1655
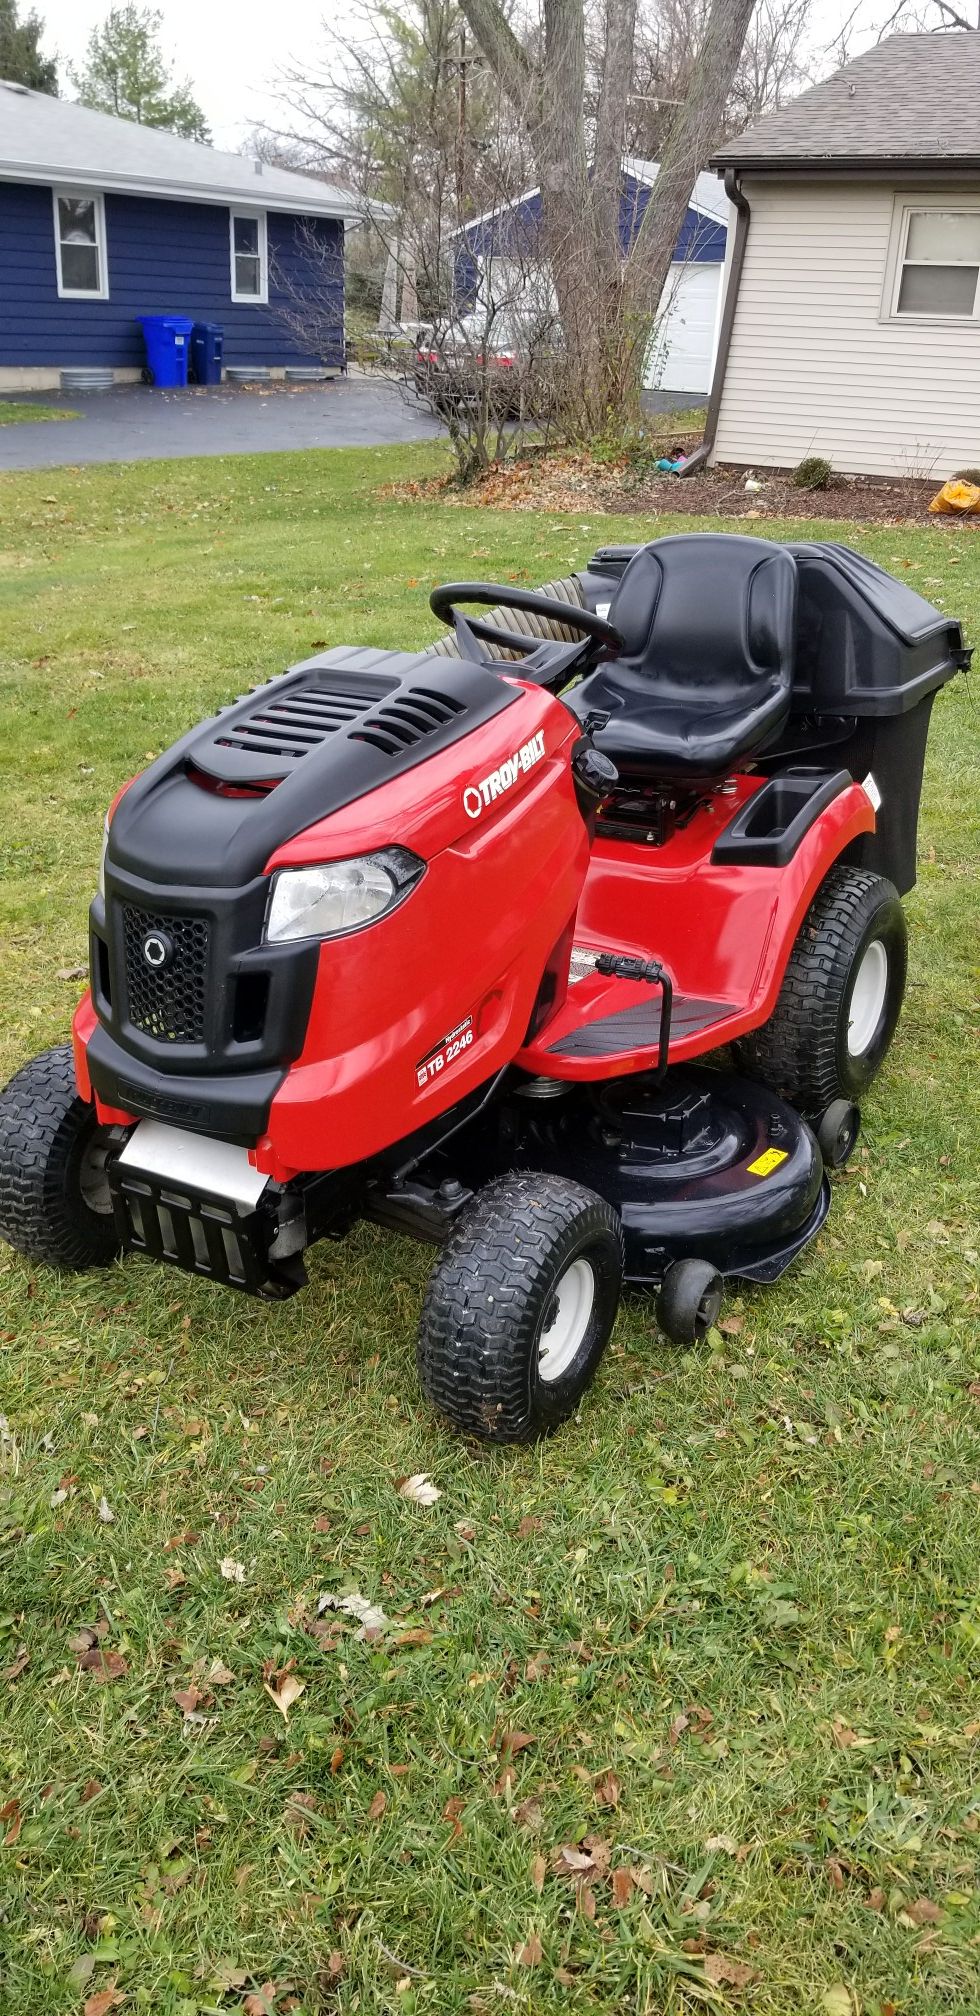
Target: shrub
x,y
966,476
813,473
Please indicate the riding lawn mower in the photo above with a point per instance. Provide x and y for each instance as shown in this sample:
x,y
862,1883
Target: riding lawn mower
x,y
451,941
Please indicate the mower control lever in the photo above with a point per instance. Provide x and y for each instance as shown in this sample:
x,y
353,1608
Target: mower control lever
x,y
628,966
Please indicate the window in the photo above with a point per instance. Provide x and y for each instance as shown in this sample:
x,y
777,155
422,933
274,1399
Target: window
x,y
79,244
249,274
939,266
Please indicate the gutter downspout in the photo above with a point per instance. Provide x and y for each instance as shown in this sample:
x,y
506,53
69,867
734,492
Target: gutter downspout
x,y
743,218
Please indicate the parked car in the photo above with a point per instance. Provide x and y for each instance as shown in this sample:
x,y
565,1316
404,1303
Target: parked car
x,y
506,360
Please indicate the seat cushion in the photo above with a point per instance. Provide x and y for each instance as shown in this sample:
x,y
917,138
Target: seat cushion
x,y
709,626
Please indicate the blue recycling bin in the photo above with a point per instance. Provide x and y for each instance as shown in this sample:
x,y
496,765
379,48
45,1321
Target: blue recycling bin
x,y
167,339
207,352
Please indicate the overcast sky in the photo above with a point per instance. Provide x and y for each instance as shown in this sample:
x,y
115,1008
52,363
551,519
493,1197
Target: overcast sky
x,y
232,53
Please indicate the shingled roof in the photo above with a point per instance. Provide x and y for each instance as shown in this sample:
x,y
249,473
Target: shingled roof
x,y
44,139
912,99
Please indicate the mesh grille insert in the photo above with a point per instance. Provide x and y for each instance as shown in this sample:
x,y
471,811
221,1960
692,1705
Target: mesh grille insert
x,y
167,1002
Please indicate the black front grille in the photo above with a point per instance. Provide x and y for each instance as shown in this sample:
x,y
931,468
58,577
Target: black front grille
x,y
167,1002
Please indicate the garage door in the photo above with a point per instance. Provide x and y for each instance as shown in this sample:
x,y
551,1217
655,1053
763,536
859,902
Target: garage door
x,y
683,353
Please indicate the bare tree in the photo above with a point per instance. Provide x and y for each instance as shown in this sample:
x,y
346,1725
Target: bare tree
x,y
607,294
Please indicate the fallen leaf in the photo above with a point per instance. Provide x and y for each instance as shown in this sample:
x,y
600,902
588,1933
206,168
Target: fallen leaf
x,y
875,1899
104,2002
71,973
11,1811
284,1690
725,1972
721,1844
102,1665
370,1615
623,1887
416,1636
608,1789
89,1791
106,1513
924,1912
585,1901
842,1734
377,1806
22,1660
575,1860
514,1740
419,1490
678,1726
321,1523
531,1954
529,1814
218,1674
187,1698
539,1870
182,1540
296,1813
836,2001
233,1571
262,2001
528,1526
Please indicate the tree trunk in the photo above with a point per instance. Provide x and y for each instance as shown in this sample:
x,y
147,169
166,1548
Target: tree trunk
x,y
607,304
692,136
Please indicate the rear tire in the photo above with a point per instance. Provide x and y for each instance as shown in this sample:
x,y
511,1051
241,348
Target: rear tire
x,y
520,1307
54,1200
841,996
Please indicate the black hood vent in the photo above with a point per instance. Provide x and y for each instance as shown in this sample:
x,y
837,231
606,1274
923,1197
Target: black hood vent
x,y
286,727
212,810
404,722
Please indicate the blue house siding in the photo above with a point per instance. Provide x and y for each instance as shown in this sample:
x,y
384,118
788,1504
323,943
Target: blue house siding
x,y
164,257
512,233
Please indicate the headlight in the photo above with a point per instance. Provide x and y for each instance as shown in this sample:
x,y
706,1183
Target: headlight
x,y
341,896
105,844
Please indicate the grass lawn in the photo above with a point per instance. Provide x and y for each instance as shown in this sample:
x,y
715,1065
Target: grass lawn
x,y
719,1639
13,412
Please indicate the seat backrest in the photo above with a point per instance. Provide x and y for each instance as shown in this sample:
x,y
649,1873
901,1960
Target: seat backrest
x,y
712,613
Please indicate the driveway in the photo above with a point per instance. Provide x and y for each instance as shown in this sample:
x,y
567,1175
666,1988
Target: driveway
x,y
134,423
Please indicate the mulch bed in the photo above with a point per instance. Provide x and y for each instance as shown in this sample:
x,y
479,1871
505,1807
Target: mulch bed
x,y
575,483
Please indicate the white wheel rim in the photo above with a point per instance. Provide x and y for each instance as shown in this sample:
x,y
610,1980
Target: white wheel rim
x,y
92,1179
867,998
573,1303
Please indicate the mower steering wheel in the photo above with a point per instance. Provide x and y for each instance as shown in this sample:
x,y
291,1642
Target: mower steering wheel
x,y
496,595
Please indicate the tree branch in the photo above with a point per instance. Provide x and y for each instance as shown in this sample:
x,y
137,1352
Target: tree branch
x,y
503,51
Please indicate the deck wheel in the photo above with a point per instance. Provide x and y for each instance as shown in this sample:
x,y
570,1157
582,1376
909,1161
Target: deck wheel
x,y
689,1301
837,1131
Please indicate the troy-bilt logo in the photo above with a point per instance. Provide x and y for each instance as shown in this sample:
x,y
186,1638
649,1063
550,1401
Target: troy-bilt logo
x,y
477,797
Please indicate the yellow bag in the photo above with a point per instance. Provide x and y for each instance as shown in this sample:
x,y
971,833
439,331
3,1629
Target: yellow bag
x,y
956,497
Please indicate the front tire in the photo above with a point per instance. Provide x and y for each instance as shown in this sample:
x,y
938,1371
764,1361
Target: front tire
x,y
54,1199
841,996
520,1307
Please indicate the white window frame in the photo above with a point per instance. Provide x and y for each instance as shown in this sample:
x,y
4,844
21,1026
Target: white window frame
x,y
261,299
96,198
906,206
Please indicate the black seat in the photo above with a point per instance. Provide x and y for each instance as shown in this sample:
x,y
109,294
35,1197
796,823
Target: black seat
x,y
709,622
